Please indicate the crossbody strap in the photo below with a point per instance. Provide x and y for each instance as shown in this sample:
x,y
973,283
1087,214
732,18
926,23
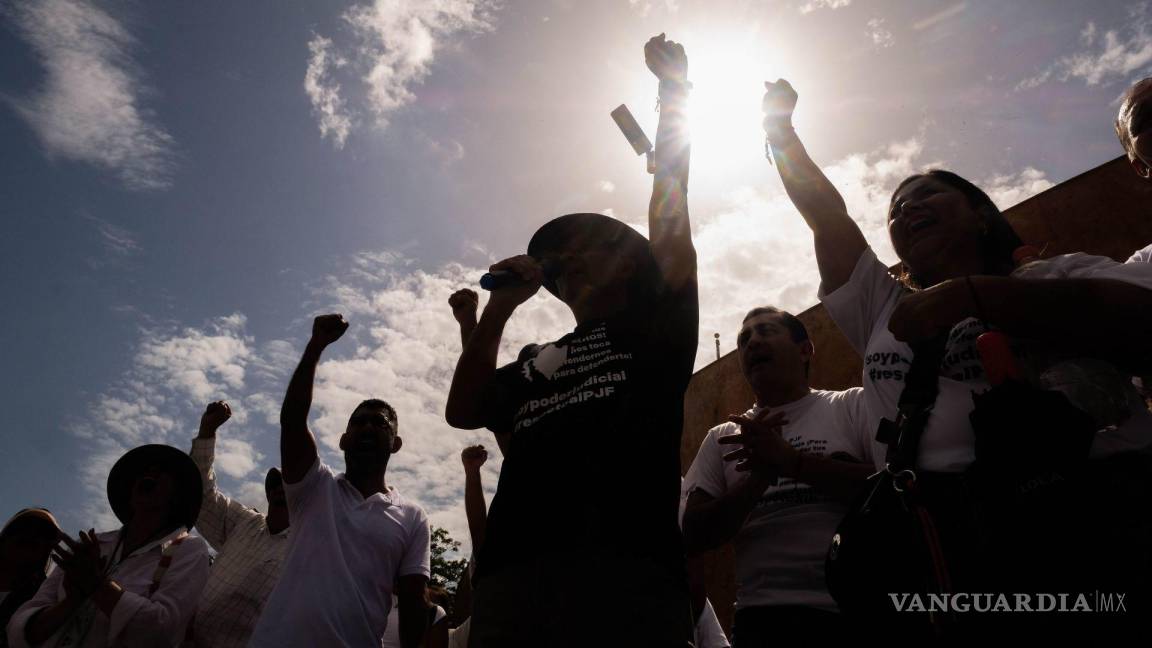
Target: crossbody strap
x,y
921,386
165,562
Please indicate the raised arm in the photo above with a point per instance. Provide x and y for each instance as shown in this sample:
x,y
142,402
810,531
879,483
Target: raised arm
x,y
477,365
476,510
837,238
464,303
297,445
219,514
669,228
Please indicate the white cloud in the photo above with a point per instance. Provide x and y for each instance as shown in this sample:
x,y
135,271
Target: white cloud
x,y
389,47
1113,56
607,186
117,240
813,5
881,36
324,92
89,106
237,458
1007,190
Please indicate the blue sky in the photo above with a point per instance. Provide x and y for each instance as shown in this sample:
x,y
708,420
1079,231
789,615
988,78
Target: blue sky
x,y
183,186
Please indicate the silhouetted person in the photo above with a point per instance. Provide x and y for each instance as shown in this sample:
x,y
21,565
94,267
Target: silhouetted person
x,y
354,538
1134,128
137,586
774,481
250,546
26,543
1079,324
613,553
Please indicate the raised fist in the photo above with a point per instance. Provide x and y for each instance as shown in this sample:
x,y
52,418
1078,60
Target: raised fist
x,y
779,103
464,303
326,329
213,417
666,59
473,457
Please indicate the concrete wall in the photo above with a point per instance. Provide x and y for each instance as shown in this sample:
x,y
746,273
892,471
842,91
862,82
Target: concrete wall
x,y
1107,211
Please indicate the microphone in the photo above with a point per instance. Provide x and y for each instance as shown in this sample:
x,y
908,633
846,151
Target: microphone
x,y
497,279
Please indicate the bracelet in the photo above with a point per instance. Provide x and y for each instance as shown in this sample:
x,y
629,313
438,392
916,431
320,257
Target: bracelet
x,y
975,299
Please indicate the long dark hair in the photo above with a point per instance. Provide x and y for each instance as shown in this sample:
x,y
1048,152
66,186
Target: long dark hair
x,y
998,241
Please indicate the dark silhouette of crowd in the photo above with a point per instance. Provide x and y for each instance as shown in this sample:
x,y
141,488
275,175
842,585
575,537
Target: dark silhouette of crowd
x,y
991,477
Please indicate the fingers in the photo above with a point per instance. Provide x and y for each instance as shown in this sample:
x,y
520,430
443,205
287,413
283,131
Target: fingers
x,y
463,298
72,544
527,267
740,454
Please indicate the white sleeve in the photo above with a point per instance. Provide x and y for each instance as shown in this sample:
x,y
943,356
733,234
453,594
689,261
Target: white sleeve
x,y
859,429
302,494
707,470
417,557
864,301
1143,255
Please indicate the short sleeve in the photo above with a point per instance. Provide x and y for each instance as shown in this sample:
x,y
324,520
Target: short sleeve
x,y
302,494
859,426
707,470
499,398
864,301
1143,255
417,558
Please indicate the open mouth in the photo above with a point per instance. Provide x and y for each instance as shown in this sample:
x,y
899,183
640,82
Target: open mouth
x,y
919,224
759,360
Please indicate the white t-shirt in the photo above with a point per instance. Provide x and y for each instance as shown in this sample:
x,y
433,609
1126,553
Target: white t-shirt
x,y
345,554
861,309
1143,255
780,549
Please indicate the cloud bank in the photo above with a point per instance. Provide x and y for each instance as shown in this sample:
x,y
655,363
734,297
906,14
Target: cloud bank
x,y
90,106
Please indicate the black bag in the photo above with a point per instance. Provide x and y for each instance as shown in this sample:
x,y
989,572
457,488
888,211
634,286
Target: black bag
x,y
888,543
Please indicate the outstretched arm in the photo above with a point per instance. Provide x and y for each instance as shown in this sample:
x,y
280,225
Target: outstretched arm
x,y
219,514
473,457
297,445
837,238
669,228
464,303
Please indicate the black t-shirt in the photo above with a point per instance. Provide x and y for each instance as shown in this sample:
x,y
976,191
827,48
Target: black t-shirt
x,y
593,466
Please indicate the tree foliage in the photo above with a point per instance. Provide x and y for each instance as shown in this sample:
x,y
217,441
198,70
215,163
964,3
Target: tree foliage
x,y
445,571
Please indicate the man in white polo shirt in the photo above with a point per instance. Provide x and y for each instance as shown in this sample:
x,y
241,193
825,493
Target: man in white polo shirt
x,y
778,480
354,538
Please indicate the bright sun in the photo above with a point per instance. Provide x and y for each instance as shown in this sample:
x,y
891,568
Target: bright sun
x,y
728,85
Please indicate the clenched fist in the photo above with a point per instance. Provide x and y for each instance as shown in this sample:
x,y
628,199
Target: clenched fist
x,y
473,457
666,59
464,303
779,104
326,329
215,415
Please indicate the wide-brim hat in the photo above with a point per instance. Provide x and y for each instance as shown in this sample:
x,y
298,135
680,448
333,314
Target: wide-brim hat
x,y
188,485
591,229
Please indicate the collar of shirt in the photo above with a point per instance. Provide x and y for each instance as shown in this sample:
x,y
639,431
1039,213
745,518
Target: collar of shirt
x,y
391,497
110,538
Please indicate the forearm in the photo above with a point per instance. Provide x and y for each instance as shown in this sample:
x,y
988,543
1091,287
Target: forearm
x,y
1103,317
475,509
840,479
475,369
669,227
466,329
48,621
709,524
297,447
413,620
